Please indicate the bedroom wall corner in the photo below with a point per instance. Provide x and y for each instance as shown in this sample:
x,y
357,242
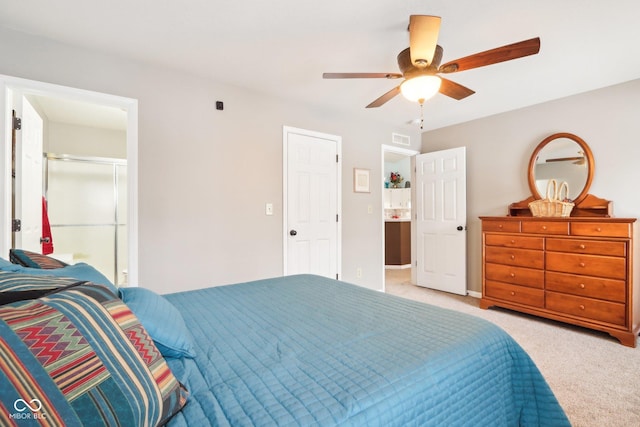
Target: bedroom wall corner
x,y
499,148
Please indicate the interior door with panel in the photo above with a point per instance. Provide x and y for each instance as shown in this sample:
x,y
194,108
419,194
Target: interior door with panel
x,y
27,190
441,220
311,217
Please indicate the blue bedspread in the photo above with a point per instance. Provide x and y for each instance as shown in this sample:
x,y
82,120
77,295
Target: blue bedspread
x,y
305,350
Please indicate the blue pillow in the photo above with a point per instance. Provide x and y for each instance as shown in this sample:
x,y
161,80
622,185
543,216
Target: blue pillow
x,y
4,264
162,320
79,271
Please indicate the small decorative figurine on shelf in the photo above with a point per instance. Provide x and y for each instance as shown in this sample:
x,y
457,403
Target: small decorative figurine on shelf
x,y
395,179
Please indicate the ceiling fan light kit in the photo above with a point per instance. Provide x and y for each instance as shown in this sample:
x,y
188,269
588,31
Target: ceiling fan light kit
x,y
419,89
420,63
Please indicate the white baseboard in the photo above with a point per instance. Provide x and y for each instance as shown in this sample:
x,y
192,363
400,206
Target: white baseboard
x,y
474,294
397,267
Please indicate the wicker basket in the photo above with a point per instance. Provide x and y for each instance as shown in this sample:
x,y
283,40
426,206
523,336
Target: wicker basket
x,y
553,205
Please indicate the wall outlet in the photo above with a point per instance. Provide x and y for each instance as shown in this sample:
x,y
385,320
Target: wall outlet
x,y
268,209
359,273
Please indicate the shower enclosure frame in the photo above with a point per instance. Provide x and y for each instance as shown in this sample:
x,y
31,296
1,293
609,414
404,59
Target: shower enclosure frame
x,y
115,163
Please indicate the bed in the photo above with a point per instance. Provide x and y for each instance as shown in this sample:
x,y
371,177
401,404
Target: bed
x,y
307,350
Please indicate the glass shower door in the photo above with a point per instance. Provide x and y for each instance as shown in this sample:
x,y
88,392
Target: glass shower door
x,y
87,211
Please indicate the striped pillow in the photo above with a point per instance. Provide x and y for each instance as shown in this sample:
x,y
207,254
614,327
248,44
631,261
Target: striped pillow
x,y
80,271
80,356
15,282
34,259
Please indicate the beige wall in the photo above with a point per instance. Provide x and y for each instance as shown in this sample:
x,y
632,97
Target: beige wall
x,y
197,226
78,140
499,148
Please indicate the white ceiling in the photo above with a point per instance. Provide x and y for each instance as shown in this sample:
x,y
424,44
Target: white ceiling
x,y
73,112
282,47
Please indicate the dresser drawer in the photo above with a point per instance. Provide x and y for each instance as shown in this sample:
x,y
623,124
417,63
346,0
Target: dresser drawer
x,y
589,308
516,275
501,226
546,227
511,256
599,229
587,286
514,241
593,247
589,265
513,293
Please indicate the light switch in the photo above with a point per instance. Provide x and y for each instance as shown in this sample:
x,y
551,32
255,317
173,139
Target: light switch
x,y
268,209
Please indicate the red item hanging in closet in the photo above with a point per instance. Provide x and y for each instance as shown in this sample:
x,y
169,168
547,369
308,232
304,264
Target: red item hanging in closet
x,y
47,239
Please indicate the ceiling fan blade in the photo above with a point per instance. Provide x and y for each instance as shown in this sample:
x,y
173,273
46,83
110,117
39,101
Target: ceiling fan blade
x,y
454,90
423,38
566,159
361,75
384,98
493,56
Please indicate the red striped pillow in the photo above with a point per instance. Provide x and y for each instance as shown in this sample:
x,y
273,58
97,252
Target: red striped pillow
x,y
81,355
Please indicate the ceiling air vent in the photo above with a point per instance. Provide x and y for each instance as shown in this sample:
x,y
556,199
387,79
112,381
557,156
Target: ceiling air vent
x,y
398,139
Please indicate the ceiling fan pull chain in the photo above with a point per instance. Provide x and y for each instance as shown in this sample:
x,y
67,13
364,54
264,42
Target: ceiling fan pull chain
x,y
421,115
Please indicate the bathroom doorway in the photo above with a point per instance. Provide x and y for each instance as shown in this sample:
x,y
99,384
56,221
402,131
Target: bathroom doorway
x,y
64,98
397,228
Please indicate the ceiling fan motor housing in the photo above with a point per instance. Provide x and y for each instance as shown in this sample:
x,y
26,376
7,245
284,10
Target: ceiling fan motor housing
x,y
409,70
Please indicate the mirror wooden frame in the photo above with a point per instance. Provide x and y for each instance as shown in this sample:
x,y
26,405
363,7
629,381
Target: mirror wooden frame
x,y
587,153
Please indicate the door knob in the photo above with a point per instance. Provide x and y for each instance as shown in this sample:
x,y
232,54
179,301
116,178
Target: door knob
x,y
459,228
293,232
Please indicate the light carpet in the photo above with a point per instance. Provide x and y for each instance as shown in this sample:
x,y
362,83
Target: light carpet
x,y
595,379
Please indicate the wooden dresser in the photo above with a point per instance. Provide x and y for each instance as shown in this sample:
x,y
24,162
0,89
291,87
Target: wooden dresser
x,y
576,270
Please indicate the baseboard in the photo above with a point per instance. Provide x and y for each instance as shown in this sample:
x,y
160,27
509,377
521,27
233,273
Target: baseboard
x,y
474,294
397,267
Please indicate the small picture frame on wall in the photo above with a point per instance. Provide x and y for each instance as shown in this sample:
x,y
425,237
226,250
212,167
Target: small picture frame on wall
x,y
361,181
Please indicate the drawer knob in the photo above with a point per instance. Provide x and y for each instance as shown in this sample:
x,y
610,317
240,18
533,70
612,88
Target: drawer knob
x,y
513,241
513,275
499,225
598,229
513,293
582,286
582,246
582,264
581,307
544,227
513,257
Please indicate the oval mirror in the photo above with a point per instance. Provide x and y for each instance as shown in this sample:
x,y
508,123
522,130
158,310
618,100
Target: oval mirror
x,y
563,157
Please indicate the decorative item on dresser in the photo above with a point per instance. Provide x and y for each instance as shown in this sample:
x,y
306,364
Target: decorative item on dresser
x,y
576,269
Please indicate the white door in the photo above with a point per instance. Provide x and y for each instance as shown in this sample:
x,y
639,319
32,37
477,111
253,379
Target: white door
x,y
28,185
441,220
311,203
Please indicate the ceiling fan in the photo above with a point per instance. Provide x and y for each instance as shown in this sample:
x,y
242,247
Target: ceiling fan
x,y
420,64
578,160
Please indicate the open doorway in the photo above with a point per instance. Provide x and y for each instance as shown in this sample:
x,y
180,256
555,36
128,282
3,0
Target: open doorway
x,y
397,208
65,108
